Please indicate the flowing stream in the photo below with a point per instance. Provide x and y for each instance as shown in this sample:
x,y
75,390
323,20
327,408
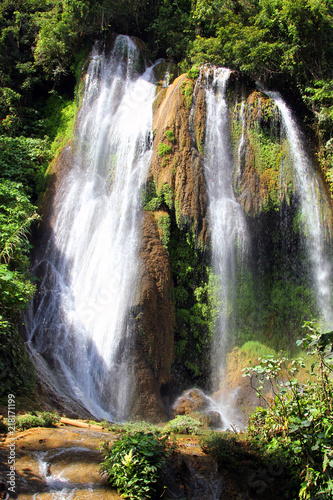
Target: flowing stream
x,y
82,324
227,223
313,206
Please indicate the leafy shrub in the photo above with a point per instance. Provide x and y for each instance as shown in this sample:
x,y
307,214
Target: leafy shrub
x,y
183,424
164,149
297,422
134,462
38,419
24,160
193,73
153,199
16,287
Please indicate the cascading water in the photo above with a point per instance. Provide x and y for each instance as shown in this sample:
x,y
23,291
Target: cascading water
x,y
82,324
227,223
314,207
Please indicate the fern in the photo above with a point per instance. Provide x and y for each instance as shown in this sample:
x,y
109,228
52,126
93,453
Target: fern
x,y
16,239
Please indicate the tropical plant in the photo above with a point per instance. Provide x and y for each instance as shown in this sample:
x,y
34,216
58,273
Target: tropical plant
x,y
134,462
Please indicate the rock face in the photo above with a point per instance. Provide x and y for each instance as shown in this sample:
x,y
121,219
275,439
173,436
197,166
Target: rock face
x,y
263,177
155,325
176,192
177,157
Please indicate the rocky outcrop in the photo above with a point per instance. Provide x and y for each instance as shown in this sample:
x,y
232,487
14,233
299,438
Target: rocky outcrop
x,y
175,197
155,325
196,404
263,176
177,156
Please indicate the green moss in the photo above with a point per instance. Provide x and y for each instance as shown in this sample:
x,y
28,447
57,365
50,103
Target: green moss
x,y
163,223
60,115
266,151
187,91
178,213
255,349
164,149
170,136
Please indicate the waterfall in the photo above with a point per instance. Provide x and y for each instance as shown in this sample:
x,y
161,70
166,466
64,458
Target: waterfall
x,y
82,325
227,223
314,208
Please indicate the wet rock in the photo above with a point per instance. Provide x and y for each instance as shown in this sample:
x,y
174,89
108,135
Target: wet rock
x,y
190,401
196,404
59,463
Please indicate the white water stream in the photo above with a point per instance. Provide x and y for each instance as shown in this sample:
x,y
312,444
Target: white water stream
x,y
227,223
82,325
314,207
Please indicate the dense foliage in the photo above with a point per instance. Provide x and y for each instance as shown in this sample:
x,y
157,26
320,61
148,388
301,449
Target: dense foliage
x,y
296,424
133,463
16,288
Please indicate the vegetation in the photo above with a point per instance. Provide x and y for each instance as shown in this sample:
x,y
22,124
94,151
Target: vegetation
x,y
16,287
170,136
187,91
183,424
296,424
228,450
164,149
195,295
37,419
133,463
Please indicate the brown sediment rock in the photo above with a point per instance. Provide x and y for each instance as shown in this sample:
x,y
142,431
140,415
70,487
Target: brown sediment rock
x,y
264,174
155,325
63,462
181,168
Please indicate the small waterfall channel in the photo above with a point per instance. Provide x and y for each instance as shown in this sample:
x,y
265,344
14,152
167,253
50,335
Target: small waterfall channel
x,y
314,208
80,330
227,222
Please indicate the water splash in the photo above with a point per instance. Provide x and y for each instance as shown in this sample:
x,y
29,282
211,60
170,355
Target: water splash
x,y
82,325
314,209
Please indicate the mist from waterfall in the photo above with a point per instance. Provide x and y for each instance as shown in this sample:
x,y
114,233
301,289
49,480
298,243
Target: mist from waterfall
x,y
80,331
